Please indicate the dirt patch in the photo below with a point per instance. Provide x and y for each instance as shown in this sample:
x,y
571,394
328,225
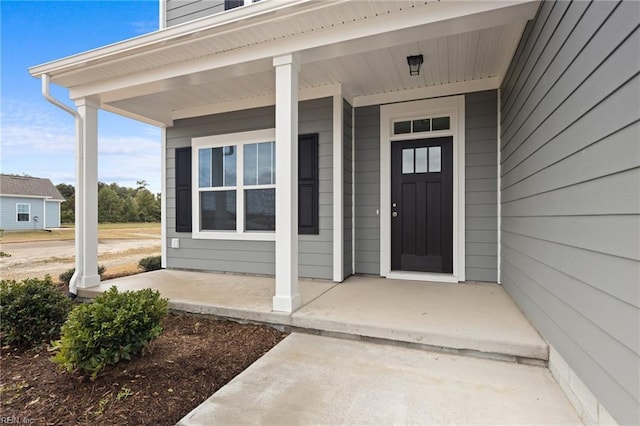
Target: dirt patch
x,y
39,258
192,359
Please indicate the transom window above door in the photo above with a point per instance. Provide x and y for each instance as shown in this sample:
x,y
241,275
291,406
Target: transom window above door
x,y
421,125
236,185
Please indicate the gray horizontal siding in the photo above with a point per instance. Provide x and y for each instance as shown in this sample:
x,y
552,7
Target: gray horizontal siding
x,y
315,251
315,259
347,139
9,218
367,189
481,189
179,11
570,189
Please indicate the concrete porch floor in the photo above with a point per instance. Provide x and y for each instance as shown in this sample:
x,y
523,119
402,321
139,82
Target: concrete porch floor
x,y
473,319
319,379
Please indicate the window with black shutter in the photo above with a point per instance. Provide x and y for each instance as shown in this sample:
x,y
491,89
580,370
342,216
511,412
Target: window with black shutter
x,y
183,189
308,182
308,187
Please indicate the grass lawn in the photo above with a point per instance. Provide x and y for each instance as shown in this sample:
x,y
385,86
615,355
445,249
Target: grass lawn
x,y
105,231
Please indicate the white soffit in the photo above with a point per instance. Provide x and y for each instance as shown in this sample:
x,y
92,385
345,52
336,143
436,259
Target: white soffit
x,y
360,44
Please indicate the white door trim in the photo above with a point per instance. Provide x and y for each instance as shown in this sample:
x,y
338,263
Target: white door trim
x,y
454,106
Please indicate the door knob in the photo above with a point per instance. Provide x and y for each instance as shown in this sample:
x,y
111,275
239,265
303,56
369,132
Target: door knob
x,y
394,214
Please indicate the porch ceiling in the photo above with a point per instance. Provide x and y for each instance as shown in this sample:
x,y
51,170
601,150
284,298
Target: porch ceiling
x,y
224,62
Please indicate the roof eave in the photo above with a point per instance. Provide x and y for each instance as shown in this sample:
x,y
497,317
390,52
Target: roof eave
x,y
192,30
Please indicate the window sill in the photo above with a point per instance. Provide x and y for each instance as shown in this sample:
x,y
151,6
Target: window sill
x,y
235,236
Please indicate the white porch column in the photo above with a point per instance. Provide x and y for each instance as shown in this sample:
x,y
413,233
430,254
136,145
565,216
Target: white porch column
x,y
87,195
338,190
287,297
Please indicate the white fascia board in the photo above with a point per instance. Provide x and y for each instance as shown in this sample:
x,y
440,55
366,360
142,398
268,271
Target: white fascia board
x,y
167,37
340,40
23,196
427,92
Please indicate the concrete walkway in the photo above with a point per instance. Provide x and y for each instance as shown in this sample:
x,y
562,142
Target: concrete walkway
x,y
311,380
314,378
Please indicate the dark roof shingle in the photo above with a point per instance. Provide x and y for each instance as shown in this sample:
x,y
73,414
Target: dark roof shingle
x,y
29,186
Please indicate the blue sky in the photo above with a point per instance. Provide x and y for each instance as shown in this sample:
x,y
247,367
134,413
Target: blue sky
x,y
37,138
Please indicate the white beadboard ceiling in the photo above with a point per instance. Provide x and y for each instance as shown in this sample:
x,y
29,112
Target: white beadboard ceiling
x,y
171,73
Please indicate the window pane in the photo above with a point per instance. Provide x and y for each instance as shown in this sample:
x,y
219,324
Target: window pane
x,y
407,160
440,123
421,160
204,167
434,159
229,165
273,163
217,167
259,163
422,125
260,209
218,210
400,127
22,212
250,164
264,163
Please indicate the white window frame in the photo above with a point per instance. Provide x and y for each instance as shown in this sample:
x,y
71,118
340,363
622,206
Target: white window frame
x,y
454,107
19,212
217,141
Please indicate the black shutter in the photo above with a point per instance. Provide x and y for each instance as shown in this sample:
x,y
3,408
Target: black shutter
x,y
183,189
308,181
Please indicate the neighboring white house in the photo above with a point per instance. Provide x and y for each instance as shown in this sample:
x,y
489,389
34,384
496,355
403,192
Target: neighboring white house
x,y
28,203
441,140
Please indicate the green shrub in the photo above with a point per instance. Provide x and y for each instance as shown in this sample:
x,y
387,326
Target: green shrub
x,y
151,263
115,326
31,311
65,277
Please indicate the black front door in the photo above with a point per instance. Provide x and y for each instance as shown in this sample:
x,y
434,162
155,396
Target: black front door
x,y
422,205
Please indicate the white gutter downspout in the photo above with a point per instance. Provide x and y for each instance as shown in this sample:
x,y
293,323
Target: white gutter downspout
x,y
73,283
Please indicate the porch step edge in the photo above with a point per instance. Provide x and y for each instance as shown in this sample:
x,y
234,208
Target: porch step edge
x,y
495,356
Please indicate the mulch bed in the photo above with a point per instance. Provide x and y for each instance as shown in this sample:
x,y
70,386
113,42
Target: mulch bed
x,y
193,358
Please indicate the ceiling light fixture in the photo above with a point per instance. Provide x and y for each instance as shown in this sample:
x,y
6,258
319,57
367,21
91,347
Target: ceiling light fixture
x,y
415,62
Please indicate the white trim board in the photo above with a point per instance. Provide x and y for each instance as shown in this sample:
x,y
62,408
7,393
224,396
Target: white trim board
x,y
499,188
257,102
238,139
455,107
